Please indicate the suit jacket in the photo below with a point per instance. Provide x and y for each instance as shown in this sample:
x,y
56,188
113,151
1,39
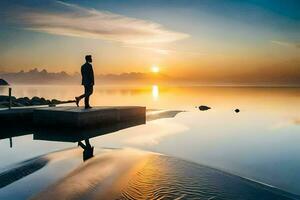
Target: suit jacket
x,y
87,74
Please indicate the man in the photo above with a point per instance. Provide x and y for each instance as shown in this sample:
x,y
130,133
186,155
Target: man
x,y
87,74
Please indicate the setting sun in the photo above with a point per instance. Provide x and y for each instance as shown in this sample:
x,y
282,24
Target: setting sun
x,y
155,69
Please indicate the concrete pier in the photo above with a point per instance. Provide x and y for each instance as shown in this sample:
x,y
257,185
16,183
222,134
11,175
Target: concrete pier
x,y
15,117
82,118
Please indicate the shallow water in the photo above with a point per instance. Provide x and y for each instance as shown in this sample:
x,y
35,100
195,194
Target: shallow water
x,y
259,143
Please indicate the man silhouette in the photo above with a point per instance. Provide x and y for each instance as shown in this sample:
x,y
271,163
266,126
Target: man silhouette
x,y
88,150
87,74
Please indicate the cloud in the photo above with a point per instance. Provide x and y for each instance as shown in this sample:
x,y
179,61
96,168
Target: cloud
x,y
162,51
74,20
286,44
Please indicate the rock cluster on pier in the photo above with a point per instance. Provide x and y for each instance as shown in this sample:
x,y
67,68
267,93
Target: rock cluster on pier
x,y
25,101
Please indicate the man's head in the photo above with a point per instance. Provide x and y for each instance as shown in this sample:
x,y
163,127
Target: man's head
x,y
88,58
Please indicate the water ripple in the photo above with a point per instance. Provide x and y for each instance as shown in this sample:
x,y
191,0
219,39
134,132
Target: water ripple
x,y
164,177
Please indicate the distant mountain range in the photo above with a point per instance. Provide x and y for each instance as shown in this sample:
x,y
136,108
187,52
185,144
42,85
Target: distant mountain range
x,y
36,76
274,77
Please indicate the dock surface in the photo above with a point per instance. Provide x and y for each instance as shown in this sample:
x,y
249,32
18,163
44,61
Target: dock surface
x,y
70,116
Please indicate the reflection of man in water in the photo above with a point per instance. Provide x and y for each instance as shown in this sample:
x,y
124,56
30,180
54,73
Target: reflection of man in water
x,y
87,81
88,150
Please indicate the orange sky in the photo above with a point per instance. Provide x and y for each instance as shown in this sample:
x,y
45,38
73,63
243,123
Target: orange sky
x,y
185,40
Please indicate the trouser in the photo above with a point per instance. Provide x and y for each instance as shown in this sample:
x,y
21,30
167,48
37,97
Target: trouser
x,y
88,91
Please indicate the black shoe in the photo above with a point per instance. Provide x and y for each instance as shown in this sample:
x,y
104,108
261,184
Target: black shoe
x,y
88,107
77,101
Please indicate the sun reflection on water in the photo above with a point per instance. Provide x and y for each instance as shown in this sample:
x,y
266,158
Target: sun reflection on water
x,y
155,92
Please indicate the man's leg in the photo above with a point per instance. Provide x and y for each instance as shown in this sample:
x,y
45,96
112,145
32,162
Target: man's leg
x,y
81,96
81,145
86,101
88,92
77,99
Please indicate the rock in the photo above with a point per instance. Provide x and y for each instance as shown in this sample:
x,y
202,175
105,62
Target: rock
x,y
43,101
35,101
3,98
6,98
3,82
4,104
25,101
16,104
203,108
237,110
55,101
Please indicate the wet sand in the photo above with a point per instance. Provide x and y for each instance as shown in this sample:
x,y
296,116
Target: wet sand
x,y
129,174
134,174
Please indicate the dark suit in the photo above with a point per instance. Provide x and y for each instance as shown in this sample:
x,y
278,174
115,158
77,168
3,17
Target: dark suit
x,y
87,74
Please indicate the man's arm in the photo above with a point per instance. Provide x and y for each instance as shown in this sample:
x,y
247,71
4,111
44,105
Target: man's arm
x,y
82,75
92,75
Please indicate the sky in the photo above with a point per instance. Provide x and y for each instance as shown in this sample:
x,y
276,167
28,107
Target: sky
x,y
216,40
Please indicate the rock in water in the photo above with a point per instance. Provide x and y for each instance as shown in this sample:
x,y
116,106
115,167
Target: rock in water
x,y
3,82
203,108
237,110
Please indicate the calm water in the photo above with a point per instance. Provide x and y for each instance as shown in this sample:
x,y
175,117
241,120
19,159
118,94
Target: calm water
x,y
260,143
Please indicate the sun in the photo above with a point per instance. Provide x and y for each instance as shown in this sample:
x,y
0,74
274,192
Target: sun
x,y
155,69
